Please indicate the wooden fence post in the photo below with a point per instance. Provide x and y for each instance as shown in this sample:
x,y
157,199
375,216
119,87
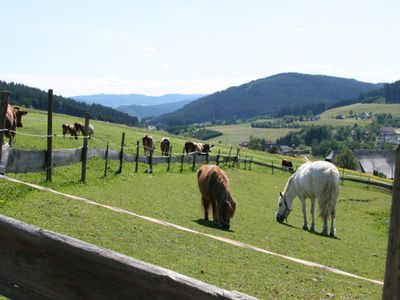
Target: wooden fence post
x,y
84,148
229,156
182,158
150,170
251,160
219,152
207,157
106,163
49,151
237,157
137,156
391,287
194,160
169,158
3,112
121,153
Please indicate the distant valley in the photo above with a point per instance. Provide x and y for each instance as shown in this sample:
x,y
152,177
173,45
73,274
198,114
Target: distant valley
x,y
142,111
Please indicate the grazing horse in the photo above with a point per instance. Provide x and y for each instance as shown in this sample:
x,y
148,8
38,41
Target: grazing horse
x,y
13,120
197,147
148,145
165,146
319,179
287,165
214,189
80,128
67,128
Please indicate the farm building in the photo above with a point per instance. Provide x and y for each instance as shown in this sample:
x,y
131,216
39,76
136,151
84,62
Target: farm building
x,y
388,135
377,160
370,160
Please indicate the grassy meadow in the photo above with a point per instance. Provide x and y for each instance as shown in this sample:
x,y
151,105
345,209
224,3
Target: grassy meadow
x,y
361,223
235,134
328,117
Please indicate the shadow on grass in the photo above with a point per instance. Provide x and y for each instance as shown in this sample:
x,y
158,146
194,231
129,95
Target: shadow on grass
x,y
311,232
210,224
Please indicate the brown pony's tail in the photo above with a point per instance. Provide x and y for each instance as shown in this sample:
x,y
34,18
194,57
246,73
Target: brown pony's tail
x,y
330,195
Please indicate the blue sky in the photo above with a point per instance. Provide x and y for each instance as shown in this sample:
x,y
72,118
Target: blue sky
x,y
155,47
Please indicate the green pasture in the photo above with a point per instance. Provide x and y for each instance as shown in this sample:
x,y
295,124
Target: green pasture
x,y
328,117
360,246
361,223
235,134
35,123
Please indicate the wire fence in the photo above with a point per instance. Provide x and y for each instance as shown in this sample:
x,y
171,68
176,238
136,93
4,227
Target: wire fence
x,y
25,161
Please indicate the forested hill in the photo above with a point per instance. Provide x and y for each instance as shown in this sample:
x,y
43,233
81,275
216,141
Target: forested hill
x,y
35,98
267,96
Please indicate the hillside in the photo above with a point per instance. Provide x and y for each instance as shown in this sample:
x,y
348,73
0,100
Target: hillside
x,y
32,97
142,111
267,96
114,101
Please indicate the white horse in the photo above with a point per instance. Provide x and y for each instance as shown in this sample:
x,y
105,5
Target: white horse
x,y
319,179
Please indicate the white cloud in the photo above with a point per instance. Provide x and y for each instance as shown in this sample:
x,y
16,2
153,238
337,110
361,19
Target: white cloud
x,y
167,66
150,49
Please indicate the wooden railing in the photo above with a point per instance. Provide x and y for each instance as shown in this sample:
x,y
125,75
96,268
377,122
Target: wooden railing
x,y
39,264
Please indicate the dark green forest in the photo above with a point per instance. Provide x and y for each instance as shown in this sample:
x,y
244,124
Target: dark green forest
x,y
275,95
32,97
392,92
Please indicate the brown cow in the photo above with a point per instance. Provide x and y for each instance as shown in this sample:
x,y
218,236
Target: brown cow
x,y
197,147
287,164
148,145
67,128
215,193
13,120
165,146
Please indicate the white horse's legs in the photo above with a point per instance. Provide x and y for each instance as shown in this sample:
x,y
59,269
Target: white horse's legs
x,y
325,230
332,233
303,207
312,228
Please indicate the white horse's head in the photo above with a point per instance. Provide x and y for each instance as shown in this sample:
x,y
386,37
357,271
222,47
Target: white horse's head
x,y
284,208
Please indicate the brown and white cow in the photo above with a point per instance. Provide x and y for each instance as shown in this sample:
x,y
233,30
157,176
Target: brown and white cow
x,y
197,147
68,128
165,146
148,145
287,164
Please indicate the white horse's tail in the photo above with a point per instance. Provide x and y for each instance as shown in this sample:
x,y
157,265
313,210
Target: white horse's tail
x,y
330,194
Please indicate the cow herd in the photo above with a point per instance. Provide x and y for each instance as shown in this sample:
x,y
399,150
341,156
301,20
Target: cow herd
x,y
165,146
77,128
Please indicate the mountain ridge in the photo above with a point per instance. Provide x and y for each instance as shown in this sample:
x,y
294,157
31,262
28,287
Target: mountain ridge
x,y
266,96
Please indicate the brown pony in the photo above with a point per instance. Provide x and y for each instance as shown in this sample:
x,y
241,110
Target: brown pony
x,y
148,145
214,189
165,146
67,128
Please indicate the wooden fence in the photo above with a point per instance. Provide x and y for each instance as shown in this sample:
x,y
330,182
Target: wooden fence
x,y
40,264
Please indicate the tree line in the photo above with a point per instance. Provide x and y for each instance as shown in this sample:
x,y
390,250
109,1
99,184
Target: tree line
x,y
392,92
32,97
